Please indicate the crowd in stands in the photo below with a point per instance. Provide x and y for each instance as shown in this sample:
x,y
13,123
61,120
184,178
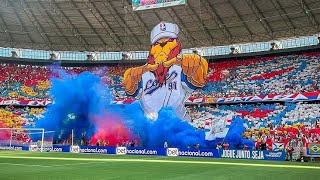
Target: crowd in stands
x,y
233,78
263,76
13,117
263,122
23,81
257,76
19,81
266,122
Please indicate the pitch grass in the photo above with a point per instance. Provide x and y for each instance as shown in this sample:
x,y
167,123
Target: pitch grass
x,y
34,165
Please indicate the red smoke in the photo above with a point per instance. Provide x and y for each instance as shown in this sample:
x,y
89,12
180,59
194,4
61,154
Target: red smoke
x,y
110,131
4,134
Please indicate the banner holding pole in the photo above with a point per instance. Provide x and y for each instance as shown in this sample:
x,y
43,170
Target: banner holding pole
x,y
138,5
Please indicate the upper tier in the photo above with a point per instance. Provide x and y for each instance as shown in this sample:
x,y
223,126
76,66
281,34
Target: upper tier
x,y
252,76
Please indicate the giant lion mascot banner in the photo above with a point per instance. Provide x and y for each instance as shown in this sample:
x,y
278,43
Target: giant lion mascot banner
x,y
168,78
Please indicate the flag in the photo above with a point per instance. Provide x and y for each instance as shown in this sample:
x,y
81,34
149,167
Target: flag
x,y
277,146
209,135
314,149
217,128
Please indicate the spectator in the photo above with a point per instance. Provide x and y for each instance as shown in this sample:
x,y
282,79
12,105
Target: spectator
x,y
165,145
132,143
290,152
219,146
226,146
245,147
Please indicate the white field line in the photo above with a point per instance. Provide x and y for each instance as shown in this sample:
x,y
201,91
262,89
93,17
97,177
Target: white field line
x,y
15,153
75,164
50,166
28,165
165,161
23,153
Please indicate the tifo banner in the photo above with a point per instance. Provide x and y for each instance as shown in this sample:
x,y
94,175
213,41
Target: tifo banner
x,y
282,98
209,100
311,96
24,102
166,81
250,154
313,149
151,4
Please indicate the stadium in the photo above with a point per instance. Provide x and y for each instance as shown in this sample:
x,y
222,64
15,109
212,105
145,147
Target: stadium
x,y
159,89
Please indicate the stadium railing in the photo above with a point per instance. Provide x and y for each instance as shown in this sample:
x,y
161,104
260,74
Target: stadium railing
x,y
139,55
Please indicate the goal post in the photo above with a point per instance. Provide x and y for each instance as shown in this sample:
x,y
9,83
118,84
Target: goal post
x,y
35,138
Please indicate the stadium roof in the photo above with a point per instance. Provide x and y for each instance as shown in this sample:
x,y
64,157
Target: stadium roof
x,y
112,25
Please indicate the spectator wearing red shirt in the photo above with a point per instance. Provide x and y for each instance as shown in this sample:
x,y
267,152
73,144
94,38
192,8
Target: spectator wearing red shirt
x,y
257,145
290,152
225,146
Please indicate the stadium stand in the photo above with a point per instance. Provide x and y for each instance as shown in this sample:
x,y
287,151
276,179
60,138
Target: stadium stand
x,y
262,76
259,76
261,92
13,117
238,78
278,122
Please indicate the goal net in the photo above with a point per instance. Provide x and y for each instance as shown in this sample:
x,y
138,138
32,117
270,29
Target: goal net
x,y
32,139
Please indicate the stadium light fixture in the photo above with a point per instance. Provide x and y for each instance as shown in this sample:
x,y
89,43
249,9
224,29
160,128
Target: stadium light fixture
x,y
195,51
53,56
14,54
90,57
234,50
126,56
274,46
198,51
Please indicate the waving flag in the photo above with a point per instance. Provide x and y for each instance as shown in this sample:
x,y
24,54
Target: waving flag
x,y
217,129
277,146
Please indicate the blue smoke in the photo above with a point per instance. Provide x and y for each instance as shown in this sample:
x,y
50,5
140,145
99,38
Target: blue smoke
x,y
168,127
234,136
78,98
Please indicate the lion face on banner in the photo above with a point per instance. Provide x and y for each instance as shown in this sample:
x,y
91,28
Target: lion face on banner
x,y
160,52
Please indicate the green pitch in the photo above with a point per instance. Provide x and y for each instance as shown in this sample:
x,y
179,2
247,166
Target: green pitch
x,y
35,165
